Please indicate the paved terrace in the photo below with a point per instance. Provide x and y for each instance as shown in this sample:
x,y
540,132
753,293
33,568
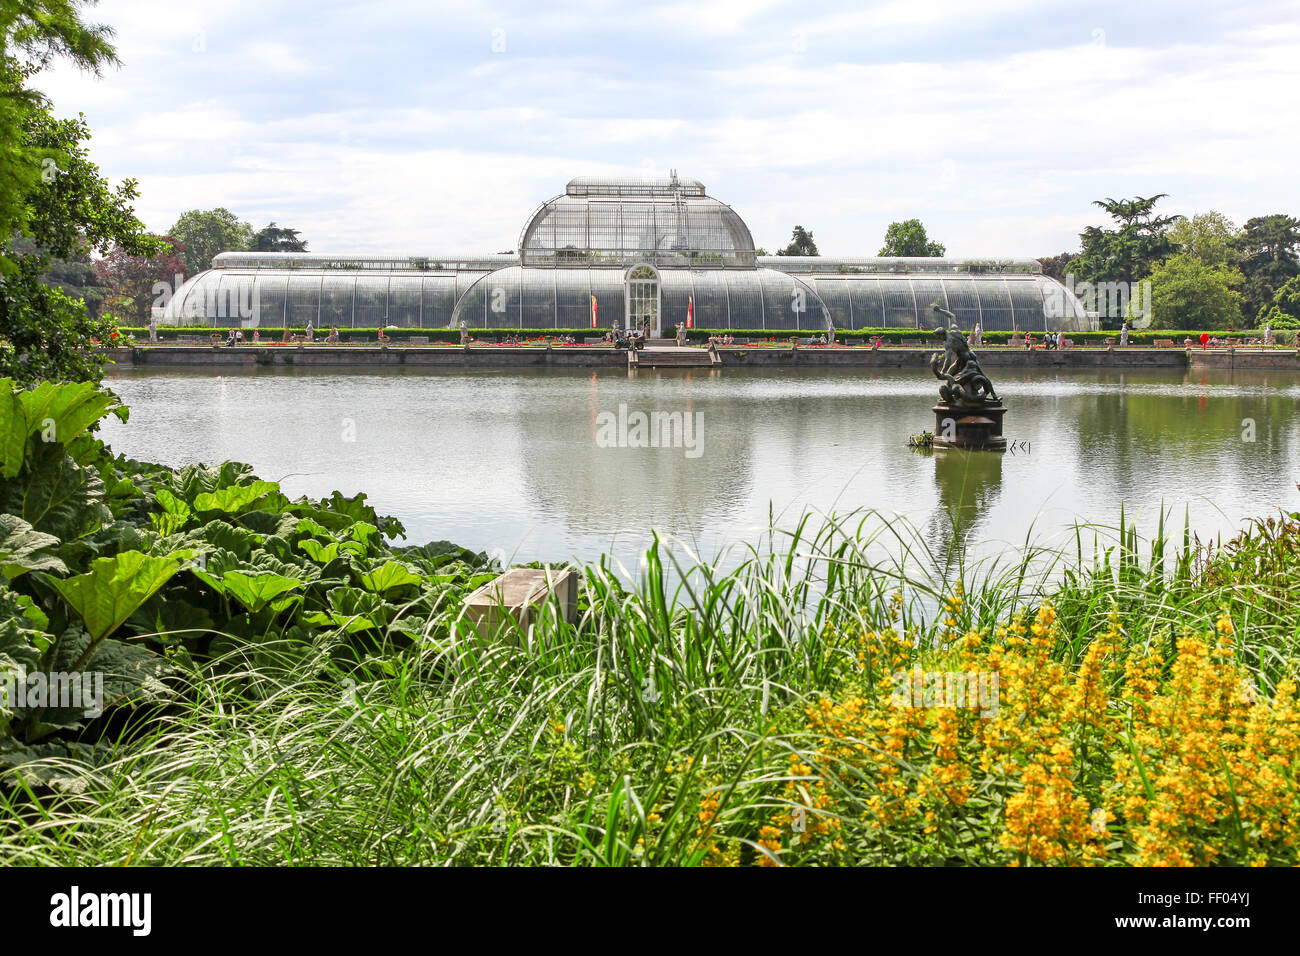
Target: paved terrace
x,y
489,356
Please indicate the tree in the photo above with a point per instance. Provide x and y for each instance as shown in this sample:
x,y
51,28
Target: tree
x,y
275,238
132,278
1284,311
1130,252
1209,237
1189,294
1268,247
54,204
909,239
801,244
33,33
1055,266
205,233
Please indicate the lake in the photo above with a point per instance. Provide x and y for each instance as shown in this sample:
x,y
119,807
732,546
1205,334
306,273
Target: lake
x,y
542,464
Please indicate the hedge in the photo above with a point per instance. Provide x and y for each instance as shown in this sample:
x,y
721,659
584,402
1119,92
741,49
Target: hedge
x,y
170,333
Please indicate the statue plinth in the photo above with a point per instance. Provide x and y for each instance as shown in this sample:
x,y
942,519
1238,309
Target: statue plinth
x,y
970,427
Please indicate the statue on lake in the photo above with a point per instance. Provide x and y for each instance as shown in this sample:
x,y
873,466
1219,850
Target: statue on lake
x,y
964,383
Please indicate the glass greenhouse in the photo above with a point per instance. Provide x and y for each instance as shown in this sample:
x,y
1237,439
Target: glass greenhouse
x,y
624,252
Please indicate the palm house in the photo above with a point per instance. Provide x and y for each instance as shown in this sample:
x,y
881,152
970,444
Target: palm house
x,y
611,252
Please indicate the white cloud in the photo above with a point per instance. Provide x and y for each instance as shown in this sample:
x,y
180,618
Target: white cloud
x,y
388,127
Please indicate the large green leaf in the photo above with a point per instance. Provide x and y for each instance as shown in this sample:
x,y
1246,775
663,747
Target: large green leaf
x,y
114,587
13,430
254,591
392,574
320,553
64,411
175,513
61,413
23,550
59,497
240,498
192,480
353,610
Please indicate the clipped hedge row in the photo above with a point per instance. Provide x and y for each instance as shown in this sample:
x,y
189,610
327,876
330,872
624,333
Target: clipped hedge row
x,y
171,333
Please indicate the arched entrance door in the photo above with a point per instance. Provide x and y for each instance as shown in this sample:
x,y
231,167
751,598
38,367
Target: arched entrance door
x,y
641,298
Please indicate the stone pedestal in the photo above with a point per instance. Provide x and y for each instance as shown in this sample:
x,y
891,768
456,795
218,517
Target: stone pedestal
x,y
977,428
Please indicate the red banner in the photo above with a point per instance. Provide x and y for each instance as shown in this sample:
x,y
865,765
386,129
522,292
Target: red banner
x,y
593,311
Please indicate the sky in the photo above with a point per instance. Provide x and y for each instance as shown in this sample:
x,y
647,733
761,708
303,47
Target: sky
x,y
399,126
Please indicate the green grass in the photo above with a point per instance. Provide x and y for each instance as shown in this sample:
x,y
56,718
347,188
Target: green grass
x,y
570,744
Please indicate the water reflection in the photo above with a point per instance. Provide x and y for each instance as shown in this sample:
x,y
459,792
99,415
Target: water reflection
x,y
509,461
970,484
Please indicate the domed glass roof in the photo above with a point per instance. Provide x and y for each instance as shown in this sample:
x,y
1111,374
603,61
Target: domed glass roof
x,y
612,222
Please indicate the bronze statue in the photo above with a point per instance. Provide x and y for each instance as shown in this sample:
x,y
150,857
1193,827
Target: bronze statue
x,y
965,384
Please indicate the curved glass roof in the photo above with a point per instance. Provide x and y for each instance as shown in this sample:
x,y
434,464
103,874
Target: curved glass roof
x,y
621,222
520,297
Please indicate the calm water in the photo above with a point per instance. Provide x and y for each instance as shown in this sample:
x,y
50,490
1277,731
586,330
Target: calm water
x,y
512,462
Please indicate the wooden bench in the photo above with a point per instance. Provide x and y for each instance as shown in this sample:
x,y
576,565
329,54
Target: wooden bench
x,y
911,343
1166,344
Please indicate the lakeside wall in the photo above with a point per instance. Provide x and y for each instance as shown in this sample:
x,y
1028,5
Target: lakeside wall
x,y
353,356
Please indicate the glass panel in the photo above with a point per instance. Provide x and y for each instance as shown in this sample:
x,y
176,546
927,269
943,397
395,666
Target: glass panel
x,y
746,297
372,302
573,298
995,305
539,300
675,290
404,302
439,299
198,305
471,307
269,293
336,301
900,305
1027,301
785,302
710,299
963,302
929,292
868,303
235,301
835,293
304,300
